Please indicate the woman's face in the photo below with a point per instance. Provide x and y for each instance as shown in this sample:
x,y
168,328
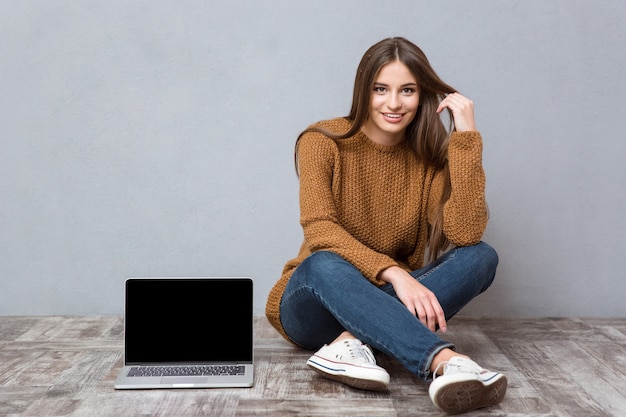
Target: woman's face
x,y
393,104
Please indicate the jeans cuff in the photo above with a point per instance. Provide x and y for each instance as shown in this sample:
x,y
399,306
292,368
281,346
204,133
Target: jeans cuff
x,y
426,373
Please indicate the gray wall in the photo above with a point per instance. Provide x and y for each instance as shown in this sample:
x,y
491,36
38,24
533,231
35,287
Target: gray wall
x,y
156,137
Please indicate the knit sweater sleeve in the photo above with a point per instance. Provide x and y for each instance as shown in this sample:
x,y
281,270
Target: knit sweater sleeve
x,y
318,161
465,213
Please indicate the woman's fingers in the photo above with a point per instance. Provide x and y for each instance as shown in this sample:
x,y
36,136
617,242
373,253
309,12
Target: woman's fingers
x,y
417,298
430,313
462,110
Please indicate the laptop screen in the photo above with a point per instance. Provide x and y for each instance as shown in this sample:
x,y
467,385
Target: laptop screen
x,y
188,320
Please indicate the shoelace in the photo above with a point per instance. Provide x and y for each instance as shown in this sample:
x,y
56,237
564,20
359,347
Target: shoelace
x,y
452,368
359,352
368,352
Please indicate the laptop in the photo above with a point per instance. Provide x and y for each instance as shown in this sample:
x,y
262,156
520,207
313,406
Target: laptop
x,y
182,332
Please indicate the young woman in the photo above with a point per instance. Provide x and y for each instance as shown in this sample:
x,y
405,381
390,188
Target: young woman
x,y
392,205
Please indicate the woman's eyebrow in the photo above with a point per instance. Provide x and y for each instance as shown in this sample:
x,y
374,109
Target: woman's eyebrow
x,y
403,85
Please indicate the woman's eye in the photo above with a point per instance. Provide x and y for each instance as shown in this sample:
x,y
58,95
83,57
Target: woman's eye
x,y
379,90
408,91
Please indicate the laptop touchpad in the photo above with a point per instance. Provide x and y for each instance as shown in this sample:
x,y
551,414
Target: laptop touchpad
x,y
184,379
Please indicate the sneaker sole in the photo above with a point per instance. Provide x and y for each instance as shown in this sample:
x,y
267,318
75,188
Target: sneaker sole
x,y
459,397
359,383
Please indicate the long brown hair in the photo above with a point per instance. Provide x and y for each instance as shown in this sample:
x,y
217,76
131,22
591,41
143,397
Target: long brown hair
x,y
427,133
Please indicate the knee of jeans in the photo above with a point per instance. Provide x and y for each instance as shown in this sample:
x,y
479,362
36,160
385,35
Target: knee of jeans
x,y
489,258
489,254
321,263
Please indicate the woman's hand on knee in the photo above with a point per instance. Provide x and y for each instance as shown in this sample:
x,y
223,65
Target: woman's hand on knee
x,y
418,299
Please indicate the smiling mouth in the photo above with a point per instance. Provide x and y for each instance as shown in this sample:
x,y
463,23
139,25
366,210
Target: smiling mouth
x,y
393,115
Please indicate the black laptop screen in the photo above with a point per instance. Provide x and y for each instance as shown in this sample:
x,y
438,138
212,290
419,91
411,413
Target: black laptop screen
x,y
188,320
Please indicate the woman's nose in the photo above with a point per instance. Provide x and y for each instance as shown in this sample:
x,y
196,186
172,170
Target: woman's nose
x,y
394,102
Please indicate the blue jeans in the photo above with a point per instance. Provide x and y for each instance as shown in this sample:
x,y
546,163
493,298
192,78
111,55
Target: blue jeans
x,y
327,295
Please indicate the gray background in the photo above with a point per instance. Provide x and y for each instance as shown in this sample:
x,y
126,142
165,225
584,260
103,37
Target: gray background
x,y
151,138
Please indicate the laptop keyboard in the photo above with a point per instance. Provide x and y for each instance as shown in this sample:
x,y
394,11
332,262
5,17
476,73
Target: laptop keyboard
x,y
187,370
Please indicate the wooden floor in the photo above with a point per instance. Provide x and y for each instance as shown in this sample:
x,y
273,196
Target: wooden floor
x,y
65,366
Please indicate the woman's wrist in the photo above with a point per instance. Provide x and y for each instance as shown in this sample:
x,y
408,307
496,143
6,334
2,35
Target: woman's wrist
x,y
391,274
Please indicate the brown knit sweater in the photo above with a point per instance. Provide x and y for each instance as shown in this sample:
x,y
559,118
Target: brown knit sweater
x,y
371,204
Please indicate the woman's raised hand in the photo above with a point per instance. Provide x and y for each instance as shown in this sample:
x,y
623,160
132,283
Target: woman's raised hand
x,y
462,110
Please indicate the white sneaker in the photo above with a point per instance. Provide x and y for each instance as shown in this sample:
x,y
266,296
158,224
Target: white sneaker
x,y
352,362
465,386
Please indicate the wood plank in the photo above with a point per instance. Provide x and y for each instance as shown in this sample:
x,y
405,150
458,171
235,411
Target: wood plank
x,y
600,381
